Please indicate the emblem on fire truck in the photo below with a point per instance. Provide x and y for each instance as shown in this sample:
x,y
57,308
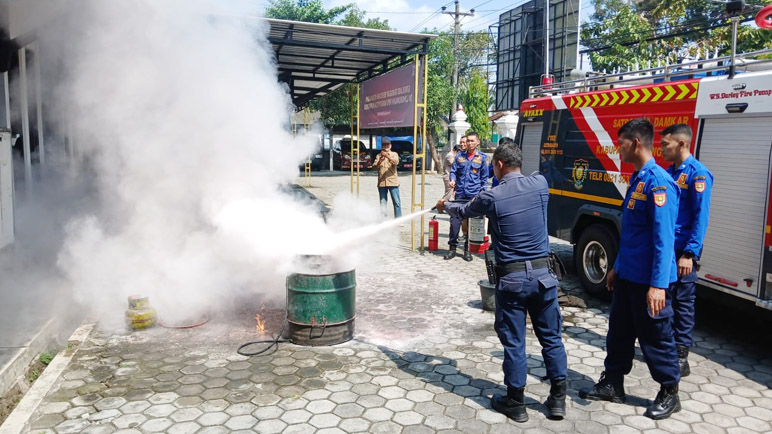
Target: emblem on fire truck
x,y
580,173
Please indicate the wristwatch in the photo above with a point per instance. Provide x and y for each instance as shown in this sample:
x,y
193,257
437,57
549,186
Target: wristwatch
x,y
688,254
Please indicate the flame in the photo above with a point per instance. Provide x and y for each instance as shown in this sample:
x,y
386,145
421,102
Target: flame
x,y
260,322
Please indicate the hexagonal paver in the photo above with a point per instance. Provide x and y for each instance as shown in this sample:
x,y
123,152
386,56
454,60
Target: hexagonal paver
x,y
241,422
378,414
324,420
320,406
213,418
183,428
296,416
270,426
408,418
156,425
161,410
419,395
185,414
356,424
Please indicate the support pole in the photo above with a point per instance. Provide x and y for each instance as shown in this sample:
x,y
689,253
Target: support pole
x,y
732,65
546,38
419,133
39,108
25,118
354,152
7,100
307,125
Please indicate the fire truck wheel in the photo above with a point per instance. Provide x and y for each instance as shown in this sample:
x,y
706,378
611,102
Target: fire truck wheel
x,y
596,252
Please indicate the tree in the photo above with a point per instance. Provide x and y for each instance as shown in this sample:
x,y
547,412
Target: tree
x,y
311,11
626,34
356,18
441,95
476,102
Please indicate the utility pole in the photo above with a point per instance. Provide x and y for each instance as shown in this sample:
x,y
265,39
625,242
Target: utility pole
x,y
456,30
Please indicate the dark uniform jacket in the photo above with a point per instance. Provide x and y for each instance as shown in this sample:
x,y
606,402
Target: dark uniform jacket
x,y
517,210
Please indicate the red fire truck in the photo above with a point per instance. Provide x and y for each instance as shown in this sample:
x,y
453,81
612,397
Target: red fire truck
x,y
568,131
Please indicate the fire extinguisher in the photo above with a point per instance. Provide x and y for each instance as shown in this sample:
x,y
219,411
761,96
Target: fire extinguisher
x,y
434,233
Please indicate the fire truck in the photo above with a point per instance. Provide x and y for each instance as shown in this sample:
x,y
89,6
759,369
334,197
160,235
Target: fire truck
x,y
568,131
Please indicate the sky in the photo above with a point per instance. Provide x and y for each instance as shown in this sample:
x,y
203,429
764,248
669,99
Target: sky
x,y
415,15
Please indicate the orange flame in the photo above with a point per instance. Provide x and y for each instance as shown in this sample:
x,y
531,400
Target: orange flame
x,y
260,322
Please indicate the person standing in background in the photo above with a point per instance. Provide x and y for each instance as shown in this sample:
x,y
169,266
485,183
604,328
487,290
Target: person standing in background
x,y
388,182
695,182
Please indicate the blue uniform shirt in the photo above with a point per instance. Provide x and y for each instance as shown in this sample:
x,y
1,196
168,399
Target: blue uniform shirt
x,y
471,176
517,213
695,182
646,254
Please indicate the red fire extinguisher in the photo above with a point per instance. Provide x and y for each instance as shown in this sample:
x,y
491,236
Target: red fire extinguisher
x,y
434,233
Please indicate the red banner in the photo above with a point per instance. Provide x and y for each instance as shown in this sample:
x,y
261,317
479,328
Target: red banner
x,y
387,101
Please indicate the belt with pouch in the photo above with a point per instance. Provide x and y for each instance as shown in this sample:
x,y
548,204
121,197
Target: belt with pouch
x,y
519,266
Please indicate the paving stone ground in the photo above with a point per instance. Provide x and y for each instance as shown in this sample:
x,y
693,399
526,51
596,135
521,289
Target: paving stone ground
x,y
425,359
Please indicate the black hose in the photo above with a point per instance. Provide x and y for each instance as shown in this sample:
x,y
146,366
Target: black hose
x,y
271,342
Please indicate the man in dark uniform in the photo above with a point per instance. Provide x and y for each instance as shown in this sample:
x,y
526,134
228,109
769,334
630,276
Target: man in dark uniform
x,y
517,209
696,183
469,176
644,269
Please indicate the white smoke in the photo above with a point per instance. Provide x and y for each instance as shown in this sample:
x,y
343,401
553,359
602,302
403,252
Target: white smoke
x,y
187,131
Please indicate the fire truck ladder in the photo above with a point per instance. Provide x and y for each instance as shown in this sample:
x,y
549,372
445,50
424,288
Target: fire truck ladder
x,y
554,125
753,61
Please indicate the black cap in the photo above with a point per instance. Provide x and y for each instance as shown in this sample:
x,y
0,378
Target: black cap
x,y
385,140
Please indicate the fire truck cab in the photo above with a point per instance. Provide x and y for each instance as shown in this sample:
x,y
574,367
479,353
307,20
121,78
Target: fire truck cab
x,y
568,132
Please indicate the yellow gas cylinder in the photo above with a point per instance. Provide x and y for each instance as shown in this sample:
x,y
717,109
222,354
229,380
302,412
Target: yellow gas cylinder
x,y
140,315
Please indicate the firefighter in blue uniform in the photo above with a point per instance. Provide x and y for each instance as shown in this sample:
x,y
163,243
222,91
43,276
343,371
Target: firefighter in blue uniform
x,y
469,176
517,209
644,269
695,182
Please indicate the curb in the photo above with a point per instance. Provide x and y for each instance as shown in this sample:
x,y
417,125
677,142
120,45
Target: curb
x,y
16,368
19,419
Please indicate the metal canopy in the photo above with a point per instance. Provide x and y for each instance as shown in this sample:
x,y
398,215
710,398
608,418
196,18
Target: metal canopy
x,y
316,59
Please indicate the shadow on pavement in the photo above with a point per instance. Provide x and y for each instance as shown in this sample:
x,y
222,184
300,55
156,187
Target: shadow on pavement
x,y
443,372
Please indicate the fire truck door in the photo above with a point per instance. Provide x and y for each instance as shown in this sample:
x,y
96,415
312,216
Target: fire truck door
x,y
531,146
737,152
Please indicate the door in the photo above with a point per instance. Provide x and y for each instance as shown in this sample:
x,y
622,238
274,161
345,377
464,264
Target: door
x,y
531,147
737,152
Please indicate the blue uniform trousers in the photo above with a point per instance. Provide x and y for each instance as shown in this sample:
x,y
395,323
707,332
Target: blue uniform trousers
x,y
455,225
534,292
684,293
630,319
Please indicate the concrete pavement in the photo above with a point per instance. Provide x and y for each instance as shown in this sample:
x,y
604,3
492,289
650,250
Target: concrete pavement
x,y
425,359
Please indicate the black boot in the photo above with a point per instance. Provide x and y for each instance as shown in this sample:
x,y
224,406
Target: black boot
x,y
512,405
605,390
451,254
683,360
467,255
665,404
556,402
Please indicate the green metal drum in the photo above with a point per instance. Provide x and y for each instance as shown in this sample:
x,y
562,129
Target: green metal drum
x,y
321,308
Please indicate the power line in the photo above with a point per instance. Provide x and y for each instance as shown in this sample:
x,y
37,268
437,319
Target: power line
x,y
426,20
661,37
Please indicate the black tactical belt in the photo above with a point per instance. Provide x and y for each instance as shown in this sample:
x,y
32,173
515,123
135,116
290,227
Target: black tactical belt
x,y
514,267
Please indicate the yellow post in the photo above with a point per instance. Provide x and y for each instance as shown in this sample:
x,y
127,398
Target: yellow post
x,y
307,125
419,110
354,154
